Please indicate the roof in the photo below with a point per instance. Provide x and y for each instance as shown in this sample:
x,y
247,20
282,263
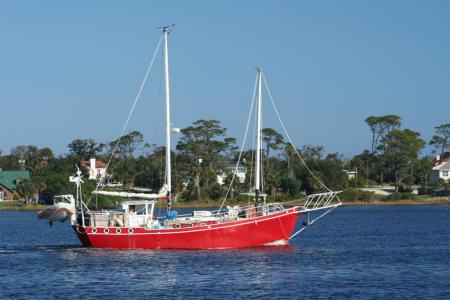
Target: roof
x,y
443,166
98,164
9,178
137,202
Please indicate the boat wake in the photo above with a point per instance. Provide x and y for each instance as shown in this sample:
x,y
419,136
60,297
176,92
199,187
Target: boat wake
x,y
40,248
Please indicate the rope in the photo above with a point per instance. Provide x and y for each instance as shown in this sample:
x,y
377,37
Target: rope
x,y
312,222
289,138
242,146
132,107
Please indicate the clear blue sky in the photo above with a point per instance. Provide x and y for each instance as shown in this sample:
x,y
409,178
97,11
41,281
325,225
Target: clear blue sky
x,y
71,69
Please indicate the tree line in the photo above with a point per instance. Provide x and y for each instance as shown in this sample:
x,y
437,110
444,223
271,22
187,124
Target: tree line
x,y
204,151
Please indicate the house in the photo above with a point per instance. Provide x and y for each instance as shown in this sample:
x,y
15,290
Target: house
x,y
441,169
95,168
9,181
239,172
351,175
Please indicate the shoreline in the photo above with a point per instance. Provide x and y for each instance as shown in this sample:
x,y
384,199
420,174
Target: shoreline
x,y
216,204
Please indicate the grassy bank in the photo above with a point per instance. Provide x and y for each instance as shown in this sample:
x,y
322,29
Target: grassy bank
x,y
17,205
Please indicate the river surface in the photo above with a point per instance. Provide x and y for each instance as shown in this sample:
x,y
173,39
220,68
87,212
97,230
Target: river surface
x,y
369,252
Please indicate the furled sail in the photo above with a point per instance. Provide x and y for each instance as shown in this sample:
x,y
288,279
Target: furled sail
x,y
162,193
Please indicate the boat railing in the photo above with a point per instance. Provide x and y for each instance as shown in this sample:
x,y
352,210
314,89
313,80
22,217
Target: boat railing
x,y
249,211
322,201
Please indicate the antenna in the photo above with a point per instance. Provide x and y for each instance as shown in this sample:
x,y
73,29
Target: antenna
x,y
166,28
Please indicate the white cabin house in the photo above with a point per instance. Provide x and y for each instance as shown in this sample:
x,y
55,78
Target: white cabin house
x,y
441,169
351,175
239,172
96,168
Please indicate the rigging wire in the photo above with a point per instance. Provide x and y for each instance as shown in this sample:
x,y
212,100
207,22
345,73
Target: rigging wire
x,y
132,107
289,138
242,146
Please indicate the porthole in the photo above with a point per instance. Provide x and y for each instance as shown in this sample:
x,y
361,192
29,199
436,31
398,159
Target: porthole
x,y
94,230
106,230
130,230
203,224
177,225
118,230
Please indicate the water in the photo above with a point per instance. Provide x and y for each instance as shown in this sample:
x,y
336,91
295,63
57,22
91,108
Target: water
x,y
358,252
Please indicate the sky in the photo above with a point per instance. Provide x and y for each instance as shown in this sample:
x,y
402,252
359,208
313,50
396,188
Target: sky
x,y
71,69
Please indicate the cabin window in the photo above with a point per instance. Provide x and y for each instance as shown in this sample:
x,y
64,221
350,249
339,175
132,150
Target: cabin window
x,y
140,210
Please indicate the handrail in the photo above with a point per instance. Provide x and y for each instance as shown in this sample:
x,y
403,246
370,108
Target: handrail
x,y
321,201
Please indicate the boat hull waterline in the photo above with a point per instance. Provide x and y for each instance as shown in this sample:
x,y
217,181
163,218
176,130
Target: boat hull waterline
x,y
273,229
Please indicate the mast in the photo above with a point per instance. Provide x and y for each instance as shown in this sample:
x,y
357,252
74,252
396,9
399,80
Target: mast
x,y
258,140
166,30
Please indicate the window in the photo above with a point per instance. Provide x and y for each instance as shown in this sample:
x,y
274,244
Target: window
x,y
1,195
445,173
140,210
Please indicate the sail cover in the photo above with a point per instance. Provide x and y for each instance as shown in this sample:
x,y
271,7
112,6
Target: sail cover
x,y
128,195
162,193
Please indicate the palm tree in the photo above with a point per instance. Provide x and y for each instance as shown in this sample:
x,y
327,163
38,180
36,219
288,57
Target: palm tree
x,y
27,189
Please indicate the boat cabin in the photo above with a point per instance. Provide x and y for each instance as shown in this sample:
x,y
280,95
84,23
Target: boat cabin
x,y
139,212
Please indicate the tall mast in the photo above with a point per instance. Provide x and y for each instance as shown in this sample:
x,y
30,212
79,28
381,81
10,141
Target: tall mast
x,y
258,140
166,30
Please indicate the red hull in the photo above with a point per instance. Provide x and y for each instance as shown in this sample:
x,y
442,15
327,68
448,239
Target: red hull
x,y
258,231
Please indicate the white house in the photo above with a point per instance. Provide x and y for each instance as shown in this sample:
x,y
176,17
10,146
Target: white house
x,y
441,169
239,172
96,168
351,174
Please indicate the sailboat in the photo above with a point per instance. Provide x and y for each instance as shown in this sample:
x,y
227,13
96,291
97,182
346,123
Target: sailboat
x,y
135,225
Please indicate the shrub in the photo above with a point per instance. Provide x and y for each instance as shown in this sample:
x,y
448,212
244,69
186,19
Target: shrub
x,y
350,194
401,196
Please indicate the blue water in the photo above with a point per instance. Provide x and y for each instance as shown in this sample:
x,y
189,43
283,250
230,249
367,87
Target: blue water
x,y
354,252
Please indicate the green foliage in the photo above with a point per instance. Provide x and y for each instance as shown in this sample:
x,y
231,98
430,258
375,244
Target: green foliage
x,y
84,149
215,191
26,189
441,141
202,147
204,151
400,150
402,196
352,194
381,126
126,145
272,138
290,186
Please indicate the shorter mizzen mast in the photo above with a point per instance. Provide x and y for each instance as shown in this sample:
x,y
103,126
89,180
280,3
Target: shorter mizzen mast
x,y
166,30
258,139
